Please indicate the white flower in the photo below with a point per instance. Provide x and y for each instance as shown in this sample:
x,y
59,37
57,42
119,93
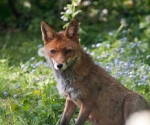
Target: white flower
x,y
69,11
123,22
65,19
41,52
98,44
65,8
76,2
148,57
147,18
110,33
61,13
15,96
86,3
105,11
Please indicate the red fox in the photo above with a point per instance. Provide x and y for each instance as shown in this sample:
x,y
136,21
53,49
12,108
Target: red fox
x,y
101,98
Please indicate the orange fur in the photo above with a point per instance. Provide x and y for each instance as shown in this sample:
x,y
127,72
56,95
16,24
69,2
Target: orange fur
x,y
101,98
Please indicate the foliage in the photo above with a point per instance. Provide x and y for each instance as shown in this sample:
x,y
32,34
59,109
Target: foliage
x,y
95,16
28,94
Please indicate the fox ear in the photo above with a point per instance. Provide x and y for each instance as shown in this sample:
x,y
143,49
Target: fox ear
x,y
47,32
72,29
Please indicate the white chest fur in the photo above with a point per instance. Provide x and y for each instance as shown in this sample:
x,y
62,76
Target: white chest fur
x,y
66,88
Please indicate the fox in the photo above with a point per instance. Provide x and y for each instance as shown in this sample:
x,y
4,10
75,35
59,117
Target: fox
x,y
102,99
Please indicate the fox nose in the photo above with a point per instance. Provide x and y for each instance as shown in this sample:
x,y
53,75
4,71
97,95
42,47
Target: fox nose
x,y
60,66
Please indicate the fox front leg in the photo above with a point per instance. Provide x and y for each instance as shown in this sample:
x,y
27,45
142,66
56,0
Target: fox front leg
x,y
83,114
68,112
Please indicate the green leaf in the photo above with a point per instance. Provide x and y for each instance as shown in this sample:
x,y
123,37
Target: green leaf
x,y
14,107
25,101
26,107
57,106
40,103
65,25
28,94
37,92
3,60
76,13
7,112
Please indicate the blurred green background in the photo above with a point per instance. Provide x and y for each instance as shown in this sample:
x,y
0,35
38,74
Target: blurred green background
x,y
98,17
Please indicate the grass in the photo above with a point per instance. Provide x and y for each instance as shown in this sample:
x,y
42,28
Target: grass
x,y
28,95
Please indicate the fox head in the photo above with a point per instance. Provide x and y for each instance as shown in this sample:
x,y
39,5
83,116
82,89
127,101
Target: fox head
x,y
62,47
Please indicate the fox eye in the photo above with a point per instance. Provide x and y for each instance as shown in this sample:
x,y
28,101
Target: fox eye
x,y
53,51
68,51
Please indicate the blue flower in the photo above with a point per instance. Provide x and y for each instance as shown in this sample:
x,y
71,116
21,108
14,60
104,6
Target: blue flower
x,y
17,87
5,93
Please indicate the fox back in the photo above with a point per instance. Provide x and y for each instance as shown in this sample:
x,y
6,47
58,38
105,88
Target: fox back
x,y
101,98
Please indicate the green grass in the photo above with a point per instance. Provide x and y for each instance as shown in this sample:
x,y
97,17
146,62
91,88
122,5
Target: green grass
x,y
28,95
27,91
